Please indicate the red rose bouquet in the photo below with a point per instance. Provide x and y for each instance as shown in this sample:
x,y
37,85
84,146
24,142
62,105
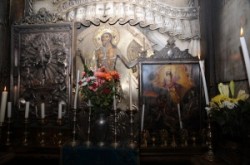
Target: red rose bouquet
x,y
99,87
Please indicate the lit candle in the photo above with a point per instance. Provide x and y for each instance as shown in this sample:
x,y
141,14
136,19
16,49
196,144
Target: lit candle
x,y
60,104
3,105
179,115
77,86
142,117
130,93
201,62
9,109
245,53
42,110
27,109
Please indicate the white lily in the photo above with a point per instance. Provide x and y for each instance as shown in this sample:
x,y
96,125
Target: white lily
x,y
242,95
224,100
223,89
232,87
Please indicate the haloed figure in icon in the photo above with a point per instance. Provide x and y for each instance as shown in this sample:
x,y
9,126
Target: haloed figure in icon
x,y
173,87
108,54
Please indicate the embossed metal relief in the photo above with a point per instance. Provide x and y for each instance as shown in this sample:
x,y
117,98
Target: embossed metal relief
x,y
41,63
41,17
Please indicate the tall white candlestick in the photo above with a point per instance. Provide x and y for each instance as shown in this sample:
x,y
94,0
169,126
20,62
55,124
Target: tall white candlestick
x,y
9,109
179,115
245,54
77,86
3,105
208,110
89,103
42,110
130,92
15,94
15,60
60,110
27,109
142,117
201,62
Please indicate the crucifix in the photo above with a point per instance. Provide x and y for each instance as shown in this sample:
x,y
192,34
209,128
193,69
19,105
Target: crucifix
x,y
105,9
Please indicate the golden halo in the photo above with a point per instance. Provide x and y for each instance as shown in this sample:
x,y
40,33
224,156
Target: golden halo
x,y
104,29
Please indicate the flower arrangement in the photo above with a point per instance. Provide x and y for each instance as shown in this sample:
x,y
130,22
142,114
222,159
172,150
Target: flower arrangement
x,y
99,87
230,112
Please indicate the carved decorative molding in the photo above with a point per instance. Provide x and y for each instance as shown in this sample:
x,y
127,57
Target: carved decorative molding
x,y
171,52
181,22
41,17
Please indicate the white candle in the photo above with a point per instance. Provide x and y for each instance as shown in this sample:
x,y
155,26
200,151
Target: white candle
x,y
89,103
42,110
9,109
179,115
130,93
15,60
77,86
15,93
27,109
201,62
142,117
60,104
208,110
245,53
3,105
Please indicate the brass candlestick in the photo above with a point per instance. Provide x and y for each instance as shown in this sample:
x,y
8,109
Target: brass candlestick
x,y
25,139
144,138
132,143
1,127
8,141
59,134
88,142
42,134
210,154
173,143
115,143
74,142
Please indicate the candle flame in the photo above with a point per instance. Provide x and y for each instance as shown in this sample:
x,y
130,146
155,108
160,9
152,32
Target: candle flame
x,y
241,32
199,56
5,88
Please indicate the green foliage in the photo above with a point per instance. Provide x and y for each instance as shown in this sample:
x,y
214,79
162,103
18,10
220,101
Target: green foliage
x,y
233,122
99,87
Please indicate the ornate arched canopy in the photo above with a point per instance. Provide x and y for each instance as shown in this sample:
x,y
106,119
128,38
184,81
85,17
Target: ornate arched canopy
x,y
179,19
